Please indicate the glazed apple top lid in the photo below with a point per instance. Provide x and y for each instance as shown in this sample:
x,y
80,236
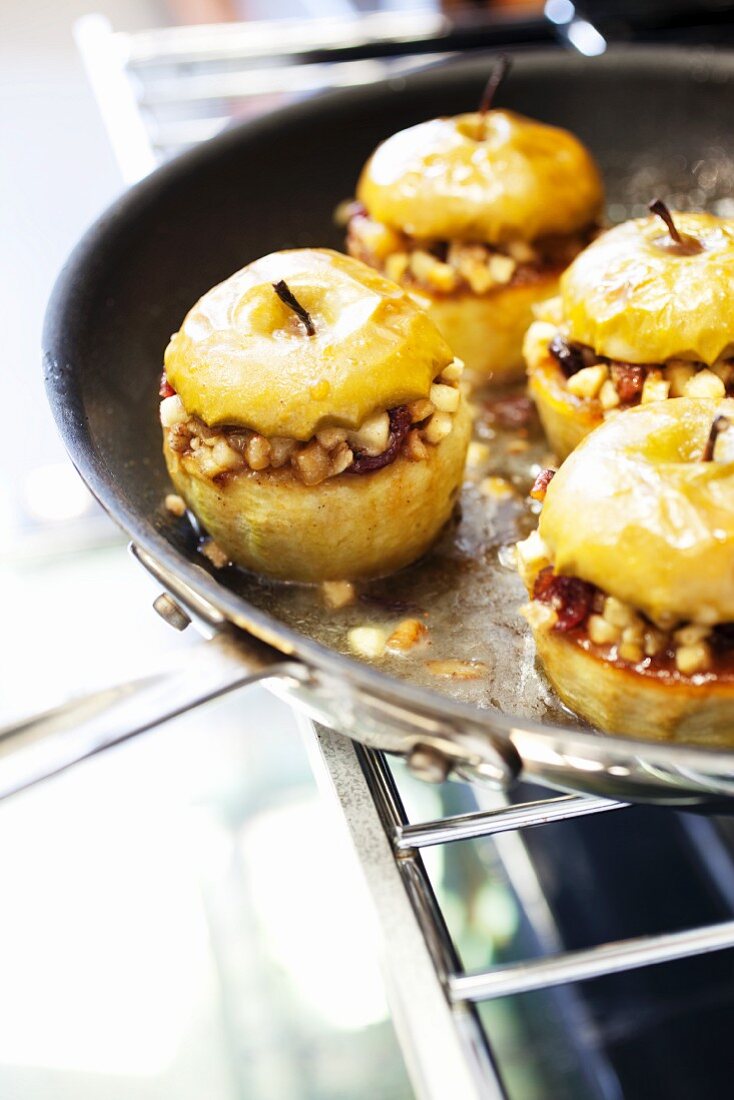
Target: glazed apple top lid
x,y
491,177
244,357
636,295
635,511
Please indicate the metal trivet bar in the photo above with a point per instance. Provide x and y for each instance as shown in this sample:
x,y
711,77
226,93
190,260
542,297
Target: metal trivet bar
x,y
162,91
349,766
595,962
522,977
444,1044
524,815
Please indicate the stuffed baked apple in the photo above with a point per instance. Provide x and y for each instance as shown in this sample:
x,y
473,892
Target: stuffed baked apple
x,y
312,419
646,312
631,573
478,214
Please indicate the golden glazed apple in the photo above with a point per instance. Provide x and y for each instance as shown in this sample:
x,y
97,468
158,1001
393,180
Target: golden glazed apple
x,y
478,215
646,312
312,419
631,574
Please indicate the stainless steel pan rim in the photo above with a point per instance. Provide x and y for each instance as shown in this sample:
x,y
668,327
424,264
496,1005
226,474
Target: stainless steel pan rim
x,y
351,696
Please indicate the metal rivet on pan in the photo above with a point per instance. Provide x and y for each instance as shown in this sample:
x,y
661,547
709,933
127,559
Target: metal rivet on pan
x,y
428,764
498,764
171,612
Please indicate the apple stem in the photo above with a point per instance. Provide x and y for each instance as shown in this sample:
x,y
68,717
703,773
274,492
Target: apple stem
x,y
657,206
499,72
680,244
289,299
720,424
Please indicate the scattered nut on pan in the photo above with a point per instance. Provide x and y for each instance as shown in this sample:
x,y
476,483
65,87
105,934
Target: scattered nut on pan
x,y
213,551
367,641
498,488
175,504
338,594
454,669
407,635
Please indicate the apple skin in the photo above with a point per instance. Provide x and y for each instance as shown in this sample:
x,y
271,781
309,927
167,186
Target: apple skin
x,y
622,700
636,512
632,297
486,331
492,179
484,178
243,358
349,527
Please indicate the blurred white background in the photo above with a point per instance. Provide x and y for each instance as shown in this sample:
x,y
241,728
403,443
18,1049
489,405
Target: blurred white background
x,y
181,917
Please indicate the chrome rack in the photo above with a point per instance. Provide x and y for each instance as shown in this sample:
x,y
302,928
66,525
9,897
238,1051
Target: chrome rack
x,y
371,803
161,91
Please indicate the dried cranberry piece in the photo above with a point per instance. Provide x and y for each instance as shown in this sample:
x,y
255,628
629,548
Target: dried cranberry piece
x,y
541,483
543,584
570,357
628,381
400,423
569,597
165,389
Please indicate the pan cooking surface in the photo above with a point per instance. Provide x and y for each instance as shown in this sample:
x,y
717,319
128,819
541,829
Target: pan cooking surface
x,y
467,590
658,124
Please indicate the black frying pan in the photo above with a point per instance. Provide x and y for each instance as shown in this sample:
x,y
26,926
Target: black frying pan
x,y
651,117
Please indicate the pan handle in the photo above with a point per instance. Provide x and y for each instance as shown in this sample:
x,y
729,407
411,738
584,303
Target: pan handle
x,y
43,745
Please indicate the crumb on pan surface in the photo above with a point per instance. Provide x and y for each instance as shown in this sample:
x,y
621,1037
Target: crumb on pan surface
x,y
214,553
175,504
453,668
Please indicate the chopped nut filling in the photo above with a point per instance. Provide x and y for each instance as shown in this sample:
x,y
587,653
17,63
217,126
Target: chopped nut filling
x,y
617,385
445,267
625,633
408,430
